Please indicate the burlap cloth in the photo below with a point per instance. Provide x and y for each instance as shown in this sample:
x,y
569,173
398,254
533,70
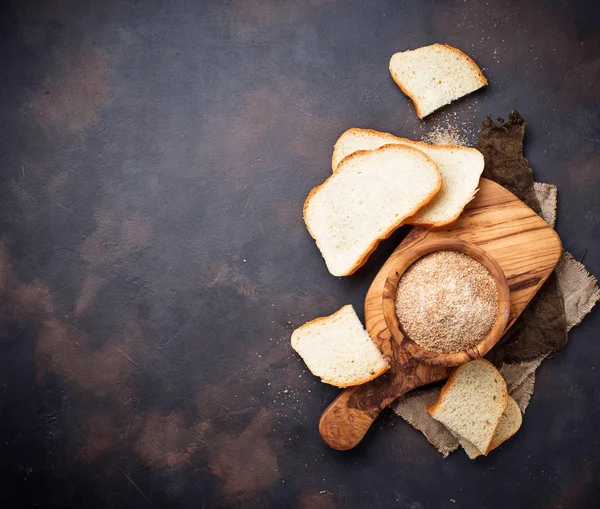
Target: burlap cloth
x,y
541,330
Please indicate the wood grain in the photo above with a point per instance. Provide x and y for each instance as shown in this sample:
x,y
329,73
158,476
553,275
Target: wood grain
x,y
523,245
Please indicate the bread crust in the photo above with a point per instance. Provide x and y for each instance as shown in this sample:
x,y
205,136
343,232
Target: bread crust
x,y
409,143
482,79
496,445
329,381
317,320
359,382
440,225
395,226
401,141
334,166
432,409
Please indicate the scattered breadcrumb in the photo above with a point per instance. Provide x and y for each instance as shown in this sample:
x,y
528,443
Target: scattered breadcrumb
x,y
453,127
445,135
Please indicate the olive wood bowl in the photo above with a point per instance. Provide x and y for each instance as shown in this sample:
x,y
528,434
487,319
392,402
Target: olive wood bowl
x,y
397,270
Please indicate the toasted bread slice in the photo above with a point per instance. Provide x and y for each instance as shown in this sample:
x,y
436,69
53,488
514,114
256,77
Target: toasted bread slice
x,y
472,402
369,197
339,350
460,167
508,425
435,75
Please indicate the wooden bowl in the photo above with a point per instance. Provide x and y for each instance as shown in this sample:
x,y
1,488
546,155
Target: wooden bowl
x,y
389,305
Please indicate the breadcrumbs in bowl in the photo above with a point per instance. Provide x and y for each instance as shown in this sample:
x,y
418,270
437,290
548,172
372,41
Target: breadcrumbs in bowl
x,y
446,302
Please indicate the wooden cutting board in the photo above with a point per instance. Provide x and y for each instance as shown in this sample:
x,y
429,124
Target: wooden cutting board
x,y
526,248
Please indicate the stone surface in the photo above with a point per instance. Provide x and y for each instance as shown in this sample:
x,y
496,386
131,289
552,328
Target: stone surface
x,y
155,157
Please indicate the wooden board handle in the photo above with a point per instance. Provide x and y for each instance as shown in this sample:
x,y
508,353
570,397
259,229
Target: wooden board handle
x,y
342,426
348,418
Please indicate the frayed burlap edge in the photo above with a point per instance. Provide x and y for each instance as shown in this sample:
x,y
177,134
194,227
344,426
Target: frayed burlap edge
x,y
579,288
547,195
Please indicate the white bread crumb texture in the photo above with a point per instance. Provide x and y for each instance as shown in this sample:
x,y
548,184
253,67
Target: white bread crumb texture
x,y
472,403
509,423
339,350
370,195
436,75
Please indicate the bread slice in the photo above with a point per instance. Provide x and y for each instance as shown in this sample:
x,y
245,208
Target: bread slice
x,y
339,350
460,168
362,203
356,139
472,402
435,75
509,423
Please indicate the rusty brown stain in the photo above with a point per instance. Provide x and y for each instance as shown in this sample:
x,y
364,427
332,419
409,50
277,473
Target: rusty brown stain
x,y
312,123
62,349
575,487
247,291
21,193
32,299
107,373
256,117
57,182
74,93
99,439
247,127
26,299
316,501
319,3
253,16
287,213
266,17
582,167
89,288
246,464
576,82
115,236
5,267
259,114
167,441
222,275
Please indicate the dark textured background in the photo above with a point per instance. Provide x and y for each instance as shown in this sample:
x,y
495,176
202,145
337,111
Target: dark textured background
x,y
155,156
